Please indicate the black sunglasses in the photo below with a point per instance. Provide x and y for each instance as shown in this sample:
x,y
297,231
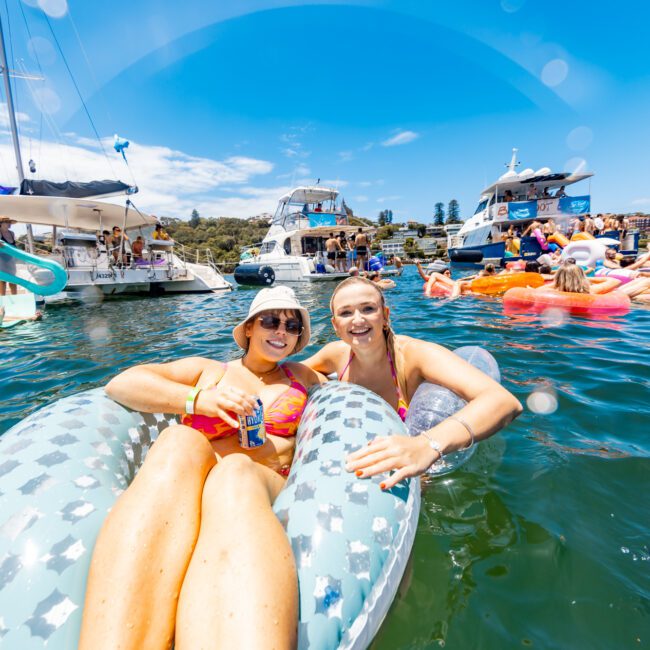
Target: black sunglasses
x,y
292,325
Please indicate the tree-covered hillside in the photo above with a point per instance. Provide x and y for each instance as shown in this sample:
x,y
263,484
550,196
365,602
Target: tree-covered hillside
x,y
224,236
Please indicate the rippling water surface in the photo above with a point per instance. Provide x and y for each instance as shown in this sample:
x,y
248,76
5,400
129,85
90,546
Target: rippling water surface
x,y
542,540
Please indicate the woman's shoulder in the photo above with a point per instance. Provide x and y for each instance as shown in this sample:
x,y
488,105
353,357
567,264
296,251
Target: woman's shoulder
x,y
416,351
303,374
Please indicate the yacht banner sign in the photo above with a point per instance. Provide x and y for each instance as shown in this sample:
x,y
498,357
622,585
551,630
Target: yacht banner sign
x,y
575,204
522,210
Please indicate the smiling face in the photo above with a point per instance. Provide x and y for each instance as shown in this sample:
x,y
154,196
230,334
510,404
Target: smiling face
x,y
268,337
359,315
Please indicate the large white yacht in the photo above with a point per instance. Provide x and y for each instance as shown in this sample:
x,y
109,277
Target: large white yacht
x,y
96,270
294,247
518,198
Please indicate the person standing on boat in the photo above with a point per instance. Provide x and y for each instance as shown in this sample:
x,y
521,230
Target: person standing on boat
x,y
341,254
560,194
332,247
531,195
361,248
7,262
370,354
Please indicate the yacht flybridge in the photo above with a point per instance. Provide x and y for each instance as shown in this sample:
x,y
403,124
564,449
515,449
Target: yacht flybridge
x,y
294,247
516,199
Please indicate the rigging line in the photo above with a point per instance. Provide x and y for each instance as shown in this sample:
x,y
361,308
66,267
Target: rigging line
x,y
40,71
74,83
90,69
56,133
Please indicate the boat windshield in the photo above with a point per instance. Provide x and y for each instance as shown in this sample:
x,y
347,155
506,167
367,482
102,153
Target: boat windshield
x,y
481,206
310,208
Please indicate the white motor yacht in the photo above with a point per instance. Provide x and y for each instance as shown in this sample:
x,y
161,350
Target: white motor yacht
x,y
93,267
294,247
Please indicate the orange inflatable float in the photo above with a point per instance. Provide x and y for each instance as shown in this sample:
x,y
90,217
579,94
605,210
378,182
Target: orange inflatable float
x,y
581,236
558,238
436,289
519,300
495,284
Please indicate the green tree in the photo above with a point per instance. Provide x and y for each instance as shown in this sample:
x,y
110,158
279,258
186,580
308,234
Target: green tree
x,y
453,212
422,230
439,214
195,219
381,220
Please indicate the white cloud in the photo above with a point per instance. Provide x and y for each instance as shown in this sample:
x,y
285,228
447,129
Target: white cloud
x,y
21,118
641,201
171,182
345,156
384,199
362,198
403,137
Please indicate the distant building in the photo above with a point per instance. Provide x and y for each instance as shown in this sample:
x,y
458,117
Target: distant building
x,y
640,221
392,246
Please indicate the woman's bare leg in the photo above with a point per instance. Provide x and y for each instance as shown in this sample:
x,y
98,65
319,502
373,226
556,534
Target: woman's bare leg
x,y
241,589
145,545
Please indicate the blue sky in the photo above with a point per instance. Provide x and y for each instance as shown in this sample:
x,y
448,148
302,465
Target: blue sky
x,y
399,104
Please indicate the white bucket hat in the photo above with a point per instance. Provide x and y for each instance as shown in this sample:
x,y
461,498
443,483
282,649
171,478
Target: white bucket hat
x,y
274,299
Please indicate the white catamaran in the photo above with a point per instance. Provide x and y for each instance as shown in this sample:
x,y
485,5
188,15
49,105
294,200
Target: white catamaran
x,y
77,219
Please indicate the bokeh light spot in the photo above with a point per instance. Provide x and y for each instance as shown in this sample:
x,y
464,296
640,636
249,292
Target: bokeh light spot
x,y
575,165
542,401
580,138
555,72
54,8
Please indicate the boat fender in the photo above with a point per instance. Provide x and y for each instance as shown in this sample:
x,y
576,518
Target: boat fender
x,y
256,275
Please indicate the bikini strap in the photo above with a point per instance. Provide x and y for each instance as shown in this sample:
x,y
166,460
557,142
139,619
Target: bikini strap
x,y
347,365
402,405
294,382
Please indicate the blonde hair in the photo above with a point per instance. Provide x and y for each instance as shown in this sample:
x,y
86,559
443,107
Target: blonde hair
x,y
570,277
389,335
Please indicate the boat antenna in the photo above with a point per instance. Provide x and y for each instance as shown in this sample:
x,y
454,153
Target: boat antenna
x,y
513,161
13,125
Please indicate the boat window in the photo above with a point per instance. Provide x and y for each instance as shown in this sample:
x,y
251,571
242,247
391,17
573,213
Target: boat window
x,y
287,246
477,236
267,247
481,206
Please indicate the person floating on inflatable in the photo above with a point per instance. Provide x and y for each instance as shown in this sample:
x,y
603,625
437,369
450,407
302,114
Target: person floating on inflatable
x,y
371,355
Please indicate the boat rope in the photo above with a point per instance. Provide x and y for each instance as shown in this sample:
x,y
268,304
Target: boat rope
x,y
83,103
40,72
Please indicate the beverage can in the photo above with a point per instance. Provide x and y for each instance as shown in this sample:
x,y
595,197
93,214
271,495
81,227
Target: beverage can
x,y
252,432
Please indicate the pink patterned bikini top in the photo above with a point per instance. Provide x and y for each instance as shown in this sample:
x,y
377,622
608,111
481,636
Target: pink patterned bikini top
x,y
280,418
402,404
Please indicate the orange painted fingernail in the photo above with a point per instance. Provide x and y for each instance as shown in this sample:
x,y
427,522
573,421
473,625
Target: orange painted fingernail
x,y
382,486
359,472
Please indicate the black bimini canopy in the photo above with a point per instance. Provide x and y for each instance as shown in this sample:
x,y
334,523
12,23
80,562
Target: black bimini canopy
x,y
71,190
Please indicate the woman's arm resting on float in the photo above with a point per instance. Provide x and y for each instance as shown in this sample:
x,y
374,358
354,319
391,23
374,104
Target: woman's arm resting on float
x,y
604,285
159,387
164,388
489,408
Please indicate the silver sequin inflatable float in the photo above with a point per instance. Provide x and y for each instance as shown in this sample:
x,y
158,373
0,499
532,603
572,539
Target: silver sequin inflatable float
x,y
62,468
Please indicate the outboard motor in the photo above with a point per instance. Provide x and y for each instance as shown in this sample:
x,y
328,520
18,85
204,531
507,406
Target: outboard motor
x,y
255,275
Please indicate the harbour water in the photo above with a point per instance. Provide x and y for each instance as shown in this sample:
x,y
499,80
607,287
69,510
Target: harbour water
x,y
542,540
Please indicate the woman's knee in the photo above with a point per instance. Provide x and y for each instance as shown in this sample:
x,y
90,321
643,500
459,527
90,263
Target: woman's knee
x,y
180,450
234,481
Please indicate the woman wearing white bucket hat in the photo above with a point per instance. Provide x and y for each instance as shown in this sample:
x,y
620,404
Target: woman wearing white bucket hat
x,y
199,546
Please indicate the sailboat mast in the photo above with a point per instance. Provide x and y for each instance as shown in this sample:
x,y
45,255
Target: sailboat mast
x,y
12,123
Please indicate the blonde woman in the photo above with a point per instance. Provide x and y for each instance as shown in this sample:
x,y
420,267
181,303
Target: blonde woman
x,y
393,366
